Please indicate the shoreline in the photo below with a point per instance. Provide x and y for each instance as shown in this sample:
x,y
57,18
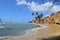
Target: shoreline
x,y
33,36
43,32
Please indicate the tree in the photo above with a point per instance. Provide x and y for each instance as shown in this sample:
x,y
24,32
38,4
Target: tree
x,y
32,14
36,17
36,13
41,15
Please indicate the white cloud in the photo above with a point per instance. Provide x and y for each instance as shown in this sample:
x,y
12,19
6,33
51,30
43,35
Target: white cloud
x,y
39,7
21,2
56,8
46,15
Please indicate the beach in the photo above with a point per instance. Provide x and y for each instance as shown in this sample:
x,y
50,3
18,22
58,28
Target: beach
x,y
50,31
32,35
45,31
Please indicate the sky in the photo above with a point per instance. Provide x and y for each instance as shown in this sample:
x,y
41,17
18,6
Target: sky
x,y
21,10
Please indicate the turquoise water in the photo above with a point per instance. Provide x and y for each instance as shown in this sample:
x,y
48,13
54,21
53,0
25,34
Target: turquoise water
x,y
14,29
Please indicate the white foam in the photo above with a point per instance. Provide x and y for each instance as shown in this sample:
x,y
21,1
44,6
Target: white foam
x,y
34,30
3,37
2,27
28,33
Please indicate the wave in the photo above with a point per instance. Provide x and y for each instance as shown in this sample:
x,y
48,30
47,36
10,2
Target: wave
x,y
3,37
2,27
25,33
34,30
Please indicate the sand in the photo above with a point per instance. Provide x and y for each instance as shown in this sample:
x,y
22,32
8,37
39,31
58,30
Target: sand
x,y
51,30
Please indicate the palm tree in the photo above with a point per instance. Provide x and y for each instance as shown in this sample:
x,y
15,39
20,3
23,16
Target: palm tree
x,y
33,15
41,15
40,18
36,17
36,13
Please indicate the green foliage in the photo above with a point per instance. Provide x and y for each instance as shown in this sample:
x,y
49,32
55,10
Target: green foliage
x,y
38,17
41,15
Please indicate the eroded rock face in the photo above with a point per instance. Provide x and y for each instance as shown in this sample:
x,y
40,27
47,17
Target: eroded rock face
x,y
56,18
48,20
53,19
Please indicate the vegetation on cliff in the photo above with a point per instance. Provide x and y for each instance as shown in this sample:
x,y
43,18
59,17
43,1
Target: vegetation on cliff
x,y
53,18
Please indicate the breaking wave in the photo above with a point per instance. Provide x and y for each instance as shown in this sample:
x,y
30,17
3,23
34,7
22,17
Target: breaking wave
x,y
2,26
3,37
34,30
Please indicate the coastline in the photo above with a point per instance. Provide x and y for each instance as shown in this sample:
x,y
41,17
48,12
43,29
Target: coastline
x,y
43,32
31,36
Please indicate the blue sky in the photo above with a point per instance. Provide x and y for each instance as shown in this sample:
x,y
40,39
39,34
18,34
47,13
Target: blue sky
x,y
21,10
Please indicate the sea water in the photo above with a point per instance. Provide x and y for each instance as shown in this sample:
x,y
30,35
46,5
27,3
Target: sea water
x,y
16,29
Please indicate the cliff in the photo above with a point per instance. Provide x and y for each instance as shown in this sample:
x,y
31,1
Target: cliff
x,y
54,19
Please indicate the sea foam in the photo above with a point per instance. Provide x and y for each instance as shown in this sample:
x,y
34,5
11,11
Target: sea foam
x,y
2,26
34,30
2,37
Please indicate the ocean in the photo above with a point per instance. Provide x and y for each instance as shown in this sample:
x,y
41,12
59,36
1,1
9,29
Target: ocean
x,y
17,29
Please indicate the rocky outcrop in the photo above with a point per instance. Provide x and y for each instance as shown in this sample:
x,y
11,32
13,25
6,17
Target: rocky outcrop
x,y
35,21
54,19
